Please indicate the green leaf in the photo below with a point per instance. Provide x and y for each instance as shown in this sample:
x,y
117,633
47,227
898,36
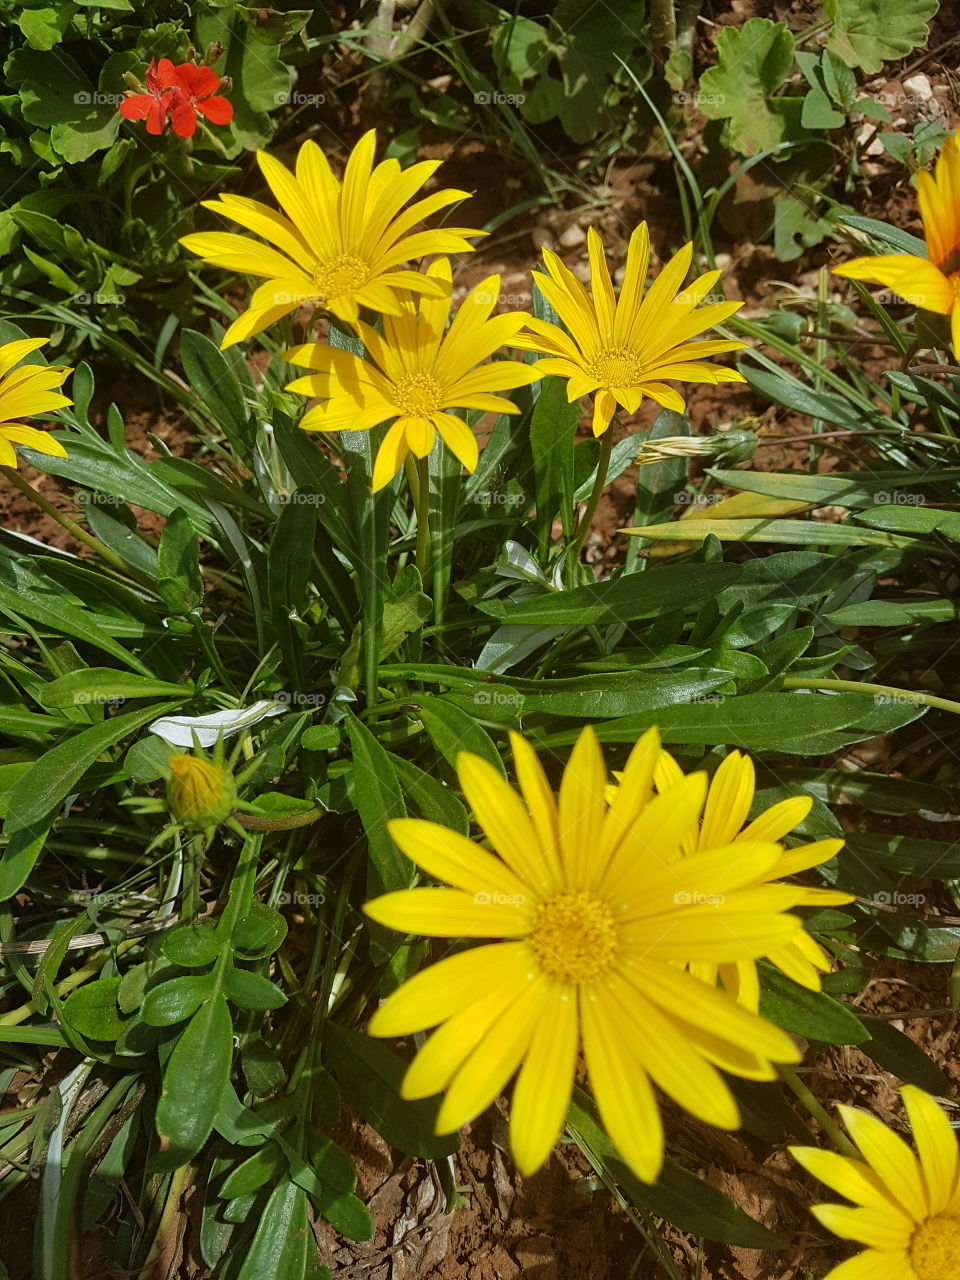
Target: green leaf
x,y
753,61
283,1246
840,81
92,1010
897,1053
62,618
678,1196
192,945
453,730
176,1000
369,1074
260,932
101,685
289,564
553,427
779,721
887,236
44,28
179,580
37,795
215,383
800,533
194,1084
252,991
808,1013
262,1069
378,799
617,600
907,856
868,33
818,113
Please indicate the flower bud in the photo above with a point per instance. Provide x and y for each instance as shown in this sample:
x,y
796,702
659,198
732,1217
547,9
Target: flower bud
x,y
200,794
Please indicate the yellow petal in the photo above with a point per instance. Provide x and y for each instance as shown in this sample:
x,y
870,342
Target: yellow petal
x,y
540,802
853,1179
624,1095
916,280
447,855
437,992
447,913
728,800
582,809
936,1143
891,1158
875,1227
494,1060
780,819
542,1093
452,1044
504,819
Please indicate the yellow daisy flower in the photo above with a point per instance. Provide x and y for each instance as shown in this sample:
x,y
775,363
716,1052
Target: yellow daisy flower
x,y
623,348
341,246
24,393
592,911
729,800
907,1209
933,282
418,370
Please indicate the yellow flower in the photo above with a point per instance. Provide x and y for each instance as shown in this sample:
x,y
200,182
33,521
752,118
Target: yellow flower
x,y
592,911
25,392
201,793
417,371
624,348
933,282
907,1210
341,246
729,800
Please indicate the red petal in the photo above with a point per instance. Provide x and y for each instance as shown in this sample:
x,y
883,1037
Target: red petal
x,y
184,119
165,75
136,106
157,115
217,110
199,82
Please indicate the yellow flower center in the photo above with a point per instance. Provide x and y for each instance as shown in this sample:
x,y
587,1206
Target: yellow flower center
x,y
954,279
935,1248
417,394
342,275
616,367
574,937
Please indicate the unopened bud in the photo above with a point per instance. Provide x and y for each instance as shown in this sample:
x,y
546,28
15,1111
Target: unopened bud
x,y
200,794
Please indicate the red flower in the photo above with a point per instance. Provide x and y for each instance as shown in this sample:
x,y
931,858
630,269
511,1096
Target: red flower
x,y
179,92
196,91
153,105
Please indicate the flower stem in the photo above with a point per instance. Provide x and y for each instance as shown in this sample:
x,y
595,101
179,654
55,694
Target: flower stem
x,y
75,530
880,690
819,1113
586,520
418,478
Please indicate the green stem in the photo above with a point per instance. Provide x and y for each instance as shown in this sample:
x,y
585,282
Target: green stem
x,y
883,690
75,530
599,484
418,478
820,357
819,1113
